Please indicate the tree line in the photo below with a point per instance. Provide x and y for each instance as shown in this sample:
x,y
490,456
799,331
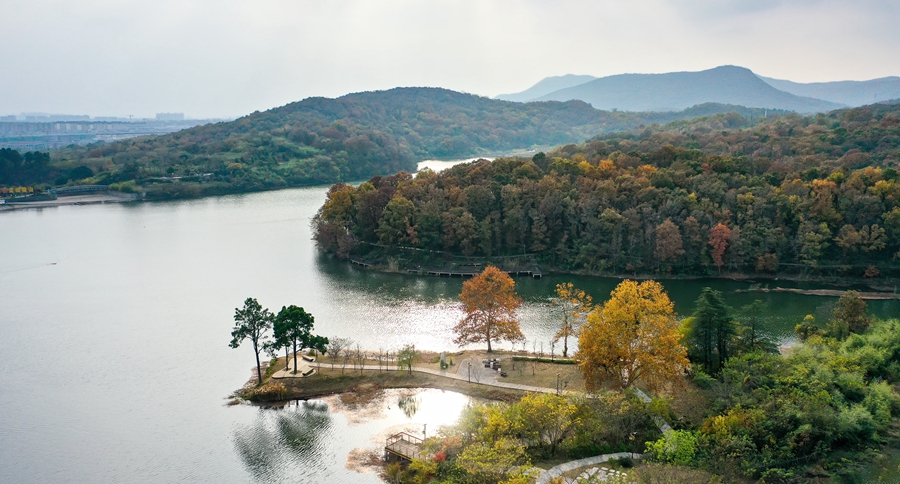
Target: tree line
x,y
800,195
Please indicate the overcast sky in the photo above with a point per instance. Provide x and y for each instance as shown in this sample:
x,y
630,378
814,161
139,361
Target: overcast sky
x,y
226,58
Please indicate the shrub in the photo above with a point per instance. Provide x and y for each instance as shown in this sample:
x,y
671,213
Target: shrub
x,y
266,393
677,447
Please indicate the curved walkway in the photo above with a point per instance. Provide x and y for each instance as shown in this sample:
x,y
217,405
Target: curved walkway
x,y
556,471
481,379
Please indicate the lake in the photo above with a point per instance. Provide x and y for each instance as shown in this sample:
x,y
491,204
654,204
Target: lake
x,y
115,321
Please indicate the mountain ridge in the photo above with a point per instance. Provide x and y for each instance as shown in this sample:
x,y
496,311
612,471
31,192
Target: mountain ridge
x,y
678,90
546,86
850,93
841,93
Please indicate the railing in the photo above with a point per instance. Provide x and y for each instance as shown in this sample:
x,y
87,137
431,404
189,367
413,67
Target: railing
x,y
73,190
403,445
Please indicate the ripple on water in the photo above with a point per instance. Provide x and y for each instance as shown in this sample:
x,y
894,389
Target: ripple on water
x,y
334,439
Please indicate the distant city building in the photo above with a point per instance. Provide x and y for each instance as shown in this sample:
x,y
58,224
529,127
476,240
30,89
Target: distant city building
x,y
170,116
8,119
52,118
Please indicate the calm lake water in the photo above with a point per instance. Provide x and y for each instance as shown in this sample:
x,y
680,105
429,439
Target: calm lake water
x,y
115,321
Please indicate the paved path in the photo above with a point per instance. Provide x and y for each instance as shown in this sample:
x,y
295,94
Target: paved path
x,y
559,470
489,380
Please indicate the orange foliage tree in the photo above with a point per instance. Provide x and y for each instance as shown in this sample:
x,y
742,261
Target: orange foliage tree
x,y
633,336
490,303
718,240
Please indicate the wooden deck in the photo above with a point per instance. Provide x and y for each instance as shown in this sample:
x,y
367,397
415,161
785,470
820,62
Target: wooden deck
x,y
403,446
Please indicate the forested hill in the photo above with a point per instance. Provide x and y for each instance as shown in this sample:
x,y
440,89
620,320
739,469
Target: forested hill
x,y
801,195
320,140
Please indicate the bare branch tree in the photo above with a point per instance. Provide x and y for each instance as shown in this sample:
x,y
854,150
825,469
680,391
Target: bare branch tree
x,y
336,347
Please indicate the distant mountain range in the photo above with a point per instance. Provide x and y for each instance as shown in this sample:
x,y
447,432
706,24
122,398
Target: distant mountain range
x,y
676,91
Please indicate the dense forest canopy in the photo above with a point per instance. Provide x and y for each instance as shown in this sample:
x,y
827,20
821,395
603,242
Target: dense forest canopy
x,y
815,194
320,140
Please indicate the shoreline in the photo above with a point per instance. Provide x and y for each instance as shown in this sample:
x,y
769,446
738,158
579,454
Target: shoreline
x,y
354,378
65,201
876,291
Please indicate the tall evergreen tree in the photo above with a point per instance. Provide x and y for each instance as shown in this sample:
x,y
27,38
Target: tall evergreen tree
x,y
252,321
711,331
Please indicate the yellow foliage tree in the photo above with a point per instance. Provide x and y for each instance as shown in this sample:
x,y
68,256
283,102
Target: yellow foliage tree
x,y
490,303
575,306
493,461
548,418
633,336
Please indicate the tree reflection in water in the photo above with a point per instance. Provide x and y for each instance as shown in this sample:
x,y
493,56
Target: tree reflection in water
x,y
285,443
409,404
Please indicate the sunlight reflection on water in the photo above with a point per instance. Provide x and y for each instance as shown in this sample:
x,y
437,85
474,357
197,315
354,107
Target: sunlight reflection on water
x,y
332,439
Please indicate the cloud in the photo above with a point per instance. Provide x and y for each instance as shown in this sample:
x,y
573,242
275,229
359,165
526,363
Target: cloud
x,y
230,57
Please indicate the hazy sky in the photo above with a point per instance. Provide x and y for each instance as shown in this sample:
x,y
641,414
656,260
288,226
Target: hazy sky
x,y
222,58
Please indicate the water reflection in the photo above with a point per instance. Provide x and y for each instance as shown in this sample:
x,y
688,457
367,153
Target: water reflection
x,y
409,404
289,441
338,438
422,310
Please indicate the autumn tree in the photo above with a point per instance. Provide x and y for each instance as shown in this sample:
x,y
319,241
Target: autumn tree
x,y
849,315
547,418
574,305
633,336
718,241
490,303
669,246
397,224
251,322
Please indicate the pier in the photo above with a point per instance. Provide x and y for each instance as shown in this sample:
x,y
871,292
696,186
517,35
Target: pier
x,y
403,446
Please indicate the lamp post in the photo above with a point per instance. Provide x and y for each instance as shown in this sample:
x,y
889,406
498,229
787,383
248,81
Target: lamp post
x,y
470,372
557,383
633,440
